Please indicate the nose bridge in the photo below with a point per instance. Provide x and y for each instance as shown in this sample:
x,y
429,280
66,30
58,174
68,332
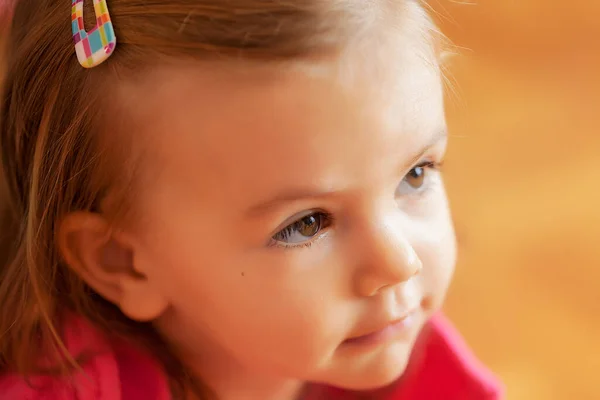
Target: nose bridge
x,y
387,257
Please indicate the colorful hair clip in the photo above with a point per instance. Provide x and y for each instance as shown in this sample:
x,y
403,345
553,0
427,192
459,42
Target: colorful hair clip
x,y
93,47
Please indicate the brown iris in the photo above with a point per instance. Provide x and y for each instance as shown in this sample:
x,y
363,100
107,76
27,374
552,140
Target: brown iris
x,y
309,226
416,177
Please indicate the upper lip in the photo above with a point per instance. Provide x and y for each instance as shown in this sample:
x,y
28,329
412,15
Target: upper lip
x,y
381,326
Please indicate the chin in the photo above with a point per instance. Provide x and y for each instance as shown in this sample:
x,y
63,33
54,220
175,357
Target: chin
x,y
374,371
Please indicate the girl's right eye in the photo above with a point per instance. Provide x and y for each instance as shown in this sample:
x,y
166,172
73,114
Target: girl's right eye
x,y
301,231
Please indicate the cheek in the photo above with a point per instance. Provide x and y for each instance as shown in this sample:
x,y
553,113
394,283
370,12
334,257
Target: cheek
x,y
436,246
287,324
258,309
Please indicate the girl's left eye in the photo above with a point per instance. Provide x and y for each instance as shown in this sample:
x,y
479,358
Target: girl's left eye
x,y
302,230
417,178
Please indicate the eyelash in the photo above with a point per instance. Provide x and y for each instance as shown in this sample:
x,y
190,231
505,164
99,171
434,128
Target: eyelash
x,y
328,219
327,222
433,165
428,165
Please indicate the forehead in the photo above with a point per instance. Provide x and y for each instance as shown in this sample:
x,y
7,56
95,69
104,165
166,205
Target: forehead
x,y
253,128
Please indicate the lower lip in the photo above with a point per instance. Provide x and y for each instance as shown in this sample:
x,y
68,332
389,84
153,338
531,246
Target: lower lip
x,y
390,332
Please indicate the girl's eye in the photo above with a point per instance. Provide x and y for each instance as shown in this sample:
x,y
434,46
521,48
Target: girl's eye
x,y
418,179
302,230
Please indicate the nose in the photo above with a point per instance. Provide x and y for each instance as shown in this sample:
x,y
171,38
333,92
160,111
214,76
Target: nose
x,y
387,257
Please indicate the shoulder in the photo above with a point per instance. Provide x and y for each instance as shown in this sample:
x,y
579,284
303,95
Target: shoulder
x,y
115,371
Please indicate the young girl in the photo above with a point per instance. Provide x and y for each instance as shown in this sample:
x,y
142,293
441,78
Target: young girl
x,y
228,199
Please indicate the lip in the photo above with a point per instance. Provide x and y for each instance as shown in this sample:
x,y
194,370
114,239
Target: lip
x,y
392,330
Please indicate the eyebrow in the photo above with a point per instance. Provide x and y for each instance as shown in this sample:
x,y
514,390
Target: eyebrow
x,y
307,193
440,135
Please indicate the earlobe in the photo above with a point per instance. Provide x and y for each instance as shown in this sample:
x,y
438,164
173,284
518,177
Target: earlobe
x,y
140,303
106,261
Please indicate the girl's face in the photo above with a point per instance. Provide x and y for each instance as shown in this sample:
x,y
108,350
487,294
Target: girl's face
x,y
296,224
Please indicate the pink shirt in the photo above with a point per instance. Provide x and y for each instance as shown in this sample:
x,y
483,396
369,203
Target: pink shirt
x,y
442,368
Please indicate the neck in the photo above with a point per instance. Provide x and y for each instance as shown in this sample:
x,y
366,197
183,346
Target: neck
x,y
227,379
231,382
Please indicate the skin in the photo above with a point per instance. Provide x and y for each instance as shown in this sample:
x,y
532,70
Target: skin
x,y
239,154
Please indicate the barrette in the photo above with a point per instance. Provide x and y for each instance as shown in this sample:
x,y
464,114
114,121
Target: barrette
x,y
93,47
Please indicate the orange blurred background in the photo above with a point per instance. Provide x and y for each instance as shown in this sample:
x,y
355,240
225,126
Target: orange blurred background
x,y
523,174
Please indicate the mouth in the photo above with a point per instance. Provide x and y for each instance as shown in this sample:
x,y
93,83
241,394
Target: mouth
x,y
394,329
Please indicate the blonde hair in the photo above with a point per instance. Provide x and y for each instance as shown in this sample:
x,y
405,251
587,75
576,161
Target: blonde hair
x,y
52,113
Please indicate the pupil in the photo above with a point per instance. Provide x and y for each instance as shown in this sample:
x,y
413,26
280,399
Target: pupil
x,y
309,226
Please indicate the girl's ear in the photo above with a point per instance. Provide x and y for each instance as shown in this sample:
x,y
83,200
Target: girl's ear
x,y
106,261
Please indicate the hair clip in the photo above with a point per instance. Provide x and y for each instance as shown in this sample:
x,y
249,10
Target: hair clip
x,y
93,47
